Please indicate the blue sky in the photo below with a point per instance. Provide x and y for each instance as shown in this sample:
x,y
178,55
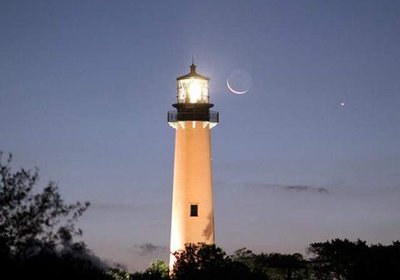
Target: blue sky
x,y
85,87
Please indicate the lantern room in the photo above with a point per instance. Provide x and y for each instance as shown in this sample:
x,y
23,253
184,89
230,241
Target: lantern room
x,y
192,88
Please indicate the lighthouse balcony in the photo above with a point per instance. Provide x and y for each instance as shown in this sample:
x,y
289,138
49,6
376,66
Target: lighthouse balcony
x,y
207,119
210,116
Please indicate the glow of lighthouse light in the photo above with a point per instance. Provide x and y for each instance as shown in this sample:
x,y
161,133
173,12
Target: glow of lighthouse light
x,y
194,91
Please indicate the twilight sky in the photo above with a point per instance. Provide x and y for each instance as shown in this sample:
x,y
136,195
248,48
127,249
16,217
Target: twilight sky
x,y
85,87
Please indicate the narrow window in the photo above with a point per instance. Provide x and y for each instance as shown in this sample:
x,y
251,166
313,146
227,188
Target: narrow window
x,y
194,210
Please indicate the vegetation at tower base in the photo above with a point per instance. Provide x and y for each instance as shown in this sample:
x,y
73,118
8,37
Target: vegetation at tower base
x,y
344,259
37,229
331,260
201,261
274,265
157,271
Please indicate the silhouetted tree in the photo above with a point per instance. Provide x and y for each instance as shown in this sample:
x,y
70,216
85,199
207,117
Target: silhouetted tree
x,y
158,270
276,266
201,261
284,266
245,256
347,260
29,219
37,229
118,273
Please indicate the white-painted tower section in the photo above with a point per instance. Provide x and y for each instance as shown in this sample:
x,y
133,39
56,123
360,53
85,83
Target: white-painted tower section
x,y
192,200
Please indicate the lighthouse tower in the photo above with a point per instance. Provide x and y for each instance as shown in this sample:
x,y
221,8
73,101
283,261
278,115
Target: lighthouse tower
x,y
192,199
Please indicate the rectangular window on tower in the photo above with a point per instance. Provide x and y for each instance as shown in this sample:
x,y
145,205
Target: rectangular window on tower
x,y
194,210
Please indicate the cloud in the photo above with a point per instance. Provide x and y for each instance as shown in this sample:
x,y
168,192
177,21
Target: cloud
x,y
267,186
302,188
147,249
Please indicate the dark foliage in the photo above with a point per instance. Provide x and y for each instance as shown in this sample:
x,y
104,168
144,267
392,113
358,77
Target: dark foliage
x,y
37,229
74,263
344,259
275,266
157,271
201,261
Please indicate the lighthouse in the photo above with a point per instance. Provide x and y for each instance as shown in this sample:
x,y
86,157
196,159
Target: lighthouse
x,y
192,199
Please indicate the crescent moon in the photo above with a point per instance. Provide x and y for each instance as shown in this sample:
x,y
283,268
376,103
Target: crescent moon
x,y
235,91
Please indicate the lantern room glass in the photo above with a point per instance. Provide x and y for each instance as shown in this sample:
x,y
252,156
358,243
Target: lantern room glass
x,y
192,90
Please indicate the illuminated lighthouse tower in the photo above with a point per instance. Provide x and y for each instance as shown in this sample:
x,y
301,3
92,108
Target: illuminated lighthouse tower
x,y
192,200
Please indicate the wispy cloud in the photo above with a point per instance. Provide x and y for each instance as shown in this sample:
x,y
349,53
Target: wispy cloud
x,y
303,188
147,249
267,186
